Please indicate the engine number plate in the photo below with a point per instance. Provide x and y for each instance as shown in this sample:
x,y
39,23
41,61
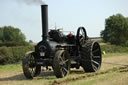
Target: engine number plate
x,y
42,53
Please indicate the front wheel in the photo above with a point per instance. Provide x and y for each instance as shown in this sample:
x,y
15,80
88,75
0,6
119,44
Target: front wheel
x,y
61,63
29,67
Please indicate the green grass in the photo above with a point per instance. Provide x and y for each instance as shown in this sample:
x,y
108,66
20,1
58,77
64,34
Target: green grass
x,y
114,54
10,67
108,48
17,75
109,77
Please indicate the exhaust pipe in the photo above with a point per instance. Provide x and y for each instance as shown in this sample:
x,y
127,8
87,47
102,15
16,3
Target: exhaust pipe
x,y
44,13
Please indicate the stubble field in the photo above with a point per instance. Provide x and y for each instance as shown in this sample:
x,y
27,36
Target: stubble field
x,y
114,71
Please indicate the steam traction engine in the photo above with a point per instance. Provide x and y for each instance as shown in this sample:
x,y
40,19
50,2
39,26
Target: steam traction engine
x,y
62,52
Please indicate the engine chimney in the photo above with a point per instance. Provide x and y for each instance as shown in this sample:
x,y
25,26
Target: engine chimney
x,y
44,12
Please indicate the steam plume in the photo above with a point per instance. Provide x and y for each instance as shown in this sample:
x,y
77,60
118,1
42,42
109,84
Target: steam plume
x,y
33,2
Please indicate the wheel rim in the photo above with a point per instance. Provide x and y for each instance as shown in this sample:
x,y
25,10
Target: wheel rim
x,y
81,36
31,63
96,56
61,63
64,63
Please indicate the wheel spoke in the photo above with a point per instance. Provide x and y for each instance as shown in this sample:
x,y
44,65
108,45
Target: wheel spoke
x,y
63,55
60,58
66,61
83,33
32,71
64,71
82,42
32,66
94,51
83,38
96,56
95,62
95,67
63,62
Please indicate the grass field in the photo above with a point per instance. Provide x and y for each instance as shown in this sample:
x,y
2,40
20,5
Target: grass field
x,y
114,71
114,54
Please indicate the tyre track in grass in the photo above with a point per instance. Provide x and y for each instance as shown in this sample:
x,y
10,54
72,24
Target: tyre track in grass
x,y
121,69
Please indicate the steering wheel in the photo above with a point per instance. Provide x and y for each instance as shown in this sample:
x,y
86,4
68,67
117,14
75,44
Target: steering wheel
x,y
81,36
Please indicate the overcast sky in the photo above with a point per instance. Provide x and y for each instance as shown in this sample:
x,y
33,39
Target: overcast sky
x,y
67,14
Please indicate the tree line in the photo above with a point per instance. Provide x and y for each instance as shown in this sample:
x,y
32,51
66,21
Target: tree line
x,y
116,30
11,36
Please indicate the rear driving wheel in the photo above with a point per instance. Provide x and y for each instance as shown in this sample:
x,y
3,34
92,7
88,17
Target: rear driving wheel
x,y
29,67
61,63
91,58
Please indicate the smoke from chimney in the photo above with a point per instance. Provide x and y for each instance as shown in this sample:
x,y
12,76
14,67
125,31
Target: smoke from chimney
x,y
32,2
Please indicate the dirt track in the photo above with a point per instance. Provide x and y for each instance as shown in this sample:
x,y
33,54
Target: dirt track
x,y
122,69
110,65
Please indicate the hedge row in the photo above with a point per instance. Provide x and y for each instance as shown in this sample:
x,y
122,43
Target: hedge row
x,y
114,49
13,43
13,54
